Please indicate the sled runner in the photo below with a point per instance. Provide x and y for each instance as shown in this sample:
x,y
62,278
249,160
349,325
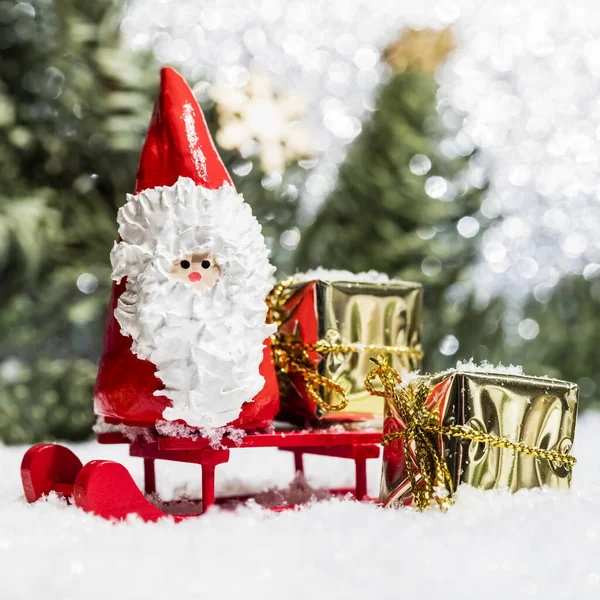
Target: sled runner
x,y
106,488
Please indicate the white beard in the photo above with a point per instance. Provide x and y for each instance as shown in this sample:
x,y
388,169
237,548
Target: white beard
x,y
207,345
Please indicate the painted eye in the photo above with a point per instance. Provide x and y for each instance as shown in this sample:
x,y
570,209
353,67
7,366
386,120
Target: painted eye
x,y
185,264
206,264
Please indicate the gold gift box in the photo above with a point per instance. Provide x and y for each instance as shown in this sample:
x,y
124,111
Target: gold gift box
x,y
538,411
357,313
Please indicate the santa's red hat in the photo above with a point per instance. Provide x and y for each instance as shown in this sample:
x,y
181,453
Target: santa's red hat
x,y
178,144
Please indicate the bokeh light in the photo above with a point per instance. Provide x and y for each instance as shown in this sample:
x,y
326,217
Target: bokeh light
x,y
522,89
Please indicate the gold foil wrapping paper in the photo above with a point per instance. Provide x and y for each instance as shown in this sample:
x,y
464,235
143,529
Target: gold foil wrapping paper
x,y
537,411
356,313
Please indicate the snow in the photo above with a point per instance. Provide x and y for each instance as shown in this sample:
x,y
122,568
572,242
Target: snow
x,y
130,433
173,429
470,366
331,275
213,434
493,545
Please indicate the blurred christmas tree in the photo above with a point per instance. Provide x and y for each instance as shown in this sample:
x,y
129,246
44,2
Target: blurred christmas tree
x,y
75,104
401,207
558,337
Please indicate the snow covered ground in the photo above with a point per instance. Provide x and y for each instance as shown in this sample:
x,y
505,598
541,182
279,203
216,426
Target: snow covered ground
x,y
538,544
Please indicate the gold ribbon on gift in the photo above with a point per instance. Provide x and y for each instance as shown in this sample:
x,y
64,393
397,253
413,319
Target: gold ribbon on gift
x,y
422,428
292,355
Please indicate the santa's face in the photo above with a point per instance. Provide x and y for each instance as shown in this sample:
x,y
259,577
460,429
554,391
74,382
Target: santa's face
x,y
201,271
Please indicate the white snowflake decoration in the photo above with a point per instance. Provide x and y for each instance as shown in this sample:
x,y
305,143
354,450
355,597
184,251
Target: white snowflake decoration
x,y
256,113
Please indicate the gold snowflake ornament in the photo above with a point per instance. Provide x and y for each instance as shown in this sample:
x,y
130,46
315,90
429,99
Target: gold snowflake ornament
x,y
258,113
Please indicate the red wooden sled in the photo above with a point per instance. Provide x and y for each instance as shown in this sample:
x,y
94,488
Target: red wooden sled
x,y
106,488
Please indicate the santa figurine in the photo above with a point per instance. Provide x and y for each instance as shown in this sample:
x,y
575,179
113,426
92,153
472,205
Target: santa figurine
x,y
187,334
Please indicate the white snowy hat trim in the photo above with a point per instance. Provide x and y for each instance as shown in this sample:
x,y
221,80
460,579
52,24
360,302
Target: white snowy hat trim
x,y
208,344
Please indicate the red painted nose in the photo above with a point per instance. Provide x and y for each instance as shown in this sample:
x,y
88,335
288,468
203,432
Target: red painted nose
x,y
194,277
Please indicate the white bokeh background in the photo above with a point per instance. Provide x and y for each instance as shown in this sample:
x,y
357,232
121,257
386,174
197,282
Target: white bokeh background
x,y
523,87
